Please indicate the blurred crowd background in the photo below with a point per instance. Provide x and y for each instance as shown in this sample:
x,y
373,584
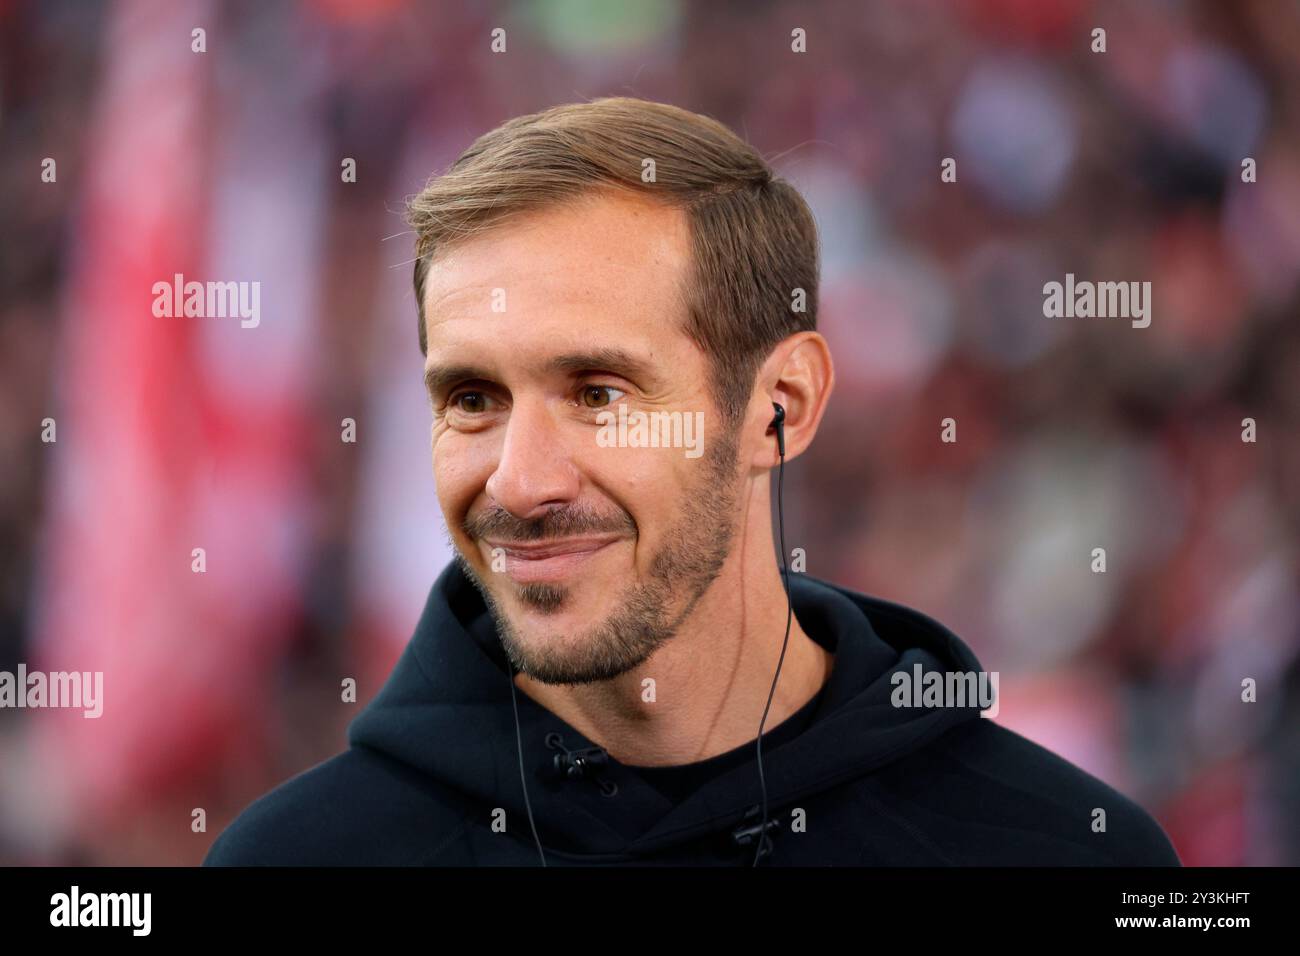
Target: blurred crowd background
x,y
1073,434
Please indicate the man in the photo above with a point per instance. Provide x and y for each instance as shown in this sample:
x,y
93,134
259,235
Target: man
x,y
614,298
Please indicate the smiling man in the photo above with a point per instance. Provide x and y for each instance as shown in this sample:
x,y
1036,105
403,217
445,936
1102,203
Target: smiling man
x,y
602,554
589,677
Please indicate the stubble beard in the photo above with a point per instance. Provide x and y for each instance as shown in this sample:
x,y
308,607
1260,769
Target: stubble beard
x,y
647,614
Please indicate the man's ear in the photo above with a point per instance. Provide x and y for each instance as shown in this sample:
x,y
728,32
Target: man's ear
x,y
799,376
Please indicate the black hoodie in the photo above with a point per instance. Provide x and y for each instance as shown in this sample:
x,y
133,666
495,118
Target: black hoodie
x,y
431,775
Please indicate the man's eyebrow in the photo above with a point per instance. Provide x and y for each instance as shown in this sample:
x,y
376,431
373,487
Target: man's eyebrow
x,y
616,360
439,377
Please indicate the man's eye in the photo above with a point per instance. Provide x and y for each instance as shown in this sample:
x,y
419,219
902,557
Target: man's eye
x,y
471,403
597,396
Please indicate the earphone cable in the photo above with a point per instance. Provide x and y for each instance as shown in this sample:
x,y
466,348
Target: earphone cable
x,y
789,614
519,744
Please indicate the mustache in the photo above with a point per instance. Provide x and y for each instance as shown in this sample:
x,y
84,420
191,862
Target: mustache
x,y
561,522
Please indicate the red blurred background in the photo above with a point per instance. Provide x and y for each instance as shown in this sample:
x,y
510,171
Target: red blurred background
x,y
174,434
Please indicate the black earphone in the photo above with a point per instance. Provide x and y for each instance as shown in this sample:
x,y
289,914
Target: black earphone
x,y
778,424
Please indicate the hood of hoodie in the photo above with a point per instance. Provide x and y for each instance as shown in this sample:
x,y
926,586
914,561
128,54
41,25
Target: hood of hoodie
x,y
446,711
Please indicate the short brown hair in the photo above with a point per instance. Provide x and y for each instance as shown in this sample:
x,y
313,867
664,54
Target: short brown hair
x,y
753,237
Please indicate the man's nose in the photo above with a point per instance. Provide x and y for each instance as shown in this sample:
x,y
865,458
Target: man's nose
x,y
534,470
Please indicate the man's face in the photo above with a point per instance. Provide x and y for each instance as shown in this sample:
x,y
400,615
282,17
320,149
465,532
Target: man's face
x,y
588,556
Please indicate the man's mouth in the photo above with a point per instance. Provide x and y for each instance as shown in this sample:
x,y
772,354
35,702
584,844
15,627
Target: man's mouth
x,y
549,560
